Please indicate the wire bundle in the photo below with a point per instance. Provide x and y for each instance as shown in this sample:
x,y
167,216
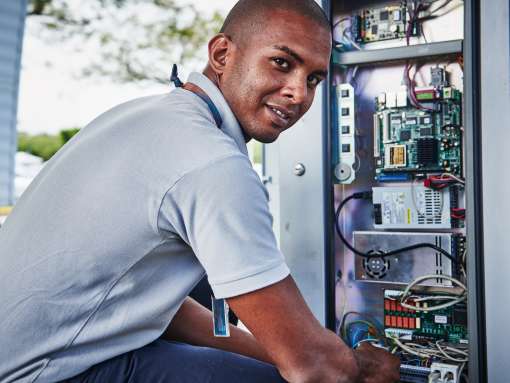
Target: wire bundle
x,y
430,350
443,181
451,300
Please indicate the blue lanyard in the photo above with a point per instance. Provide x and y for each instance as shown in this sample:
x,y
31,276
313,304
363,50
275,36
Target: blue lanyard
x,y
200,93
219,306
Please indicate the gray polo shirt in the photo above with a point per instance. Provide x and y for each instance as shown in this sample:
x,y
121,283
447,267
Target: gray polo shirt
x,y
120,225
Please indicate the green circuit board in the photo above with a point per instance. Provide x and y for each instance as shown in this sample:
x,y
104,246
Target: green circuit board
x,y
449,324
382,23
407,139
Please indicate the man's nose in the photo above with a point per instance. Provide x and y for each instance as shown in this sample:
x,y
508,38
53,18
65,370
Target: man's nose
x,y
296,89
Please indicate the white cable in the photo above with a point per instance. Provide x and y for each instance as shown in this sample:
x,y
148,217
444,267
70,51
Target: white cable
x,y
410,350
461,369
455,299
463,264
450,357
344,35
443,306
459,180
432,298
434,350
433,276
374,341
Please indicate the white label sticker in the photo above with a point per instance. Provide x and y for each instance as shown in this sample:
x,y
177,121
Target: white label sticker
x,y
442,319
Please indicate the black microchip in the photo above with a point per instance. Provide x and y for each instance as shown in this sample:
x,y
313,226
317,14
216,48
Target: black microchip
x,y
345,93
356,28
427,151
346,129
374,29
345,111
346,148
384,15
460,316
378,214
425,132
405,135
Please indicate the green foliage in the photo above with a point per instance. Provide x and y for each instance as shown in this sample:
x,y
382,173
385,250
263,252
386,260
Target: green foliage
x,y
44,145
67,134
257,152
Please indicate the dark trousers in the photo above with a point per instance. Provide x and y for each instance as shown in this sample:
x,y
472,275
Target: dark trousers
x,y
172,362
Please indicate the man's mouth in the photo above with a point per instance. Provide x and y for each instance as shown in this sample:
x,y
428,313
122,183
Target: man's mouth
x,y
280,116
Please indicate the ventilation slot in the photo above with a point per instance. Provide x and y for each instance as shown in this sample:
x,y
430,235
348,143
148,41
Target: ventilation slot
x,y
433,208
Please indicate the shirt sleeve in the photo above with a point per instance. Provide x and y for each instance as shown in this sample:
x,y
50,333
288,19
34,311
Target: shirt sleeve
x,y
221,210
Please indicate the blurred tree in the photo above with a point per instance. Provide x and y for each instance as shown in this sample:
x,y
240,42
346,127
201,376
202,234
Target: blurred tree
x,y
135,40
67,134
44,145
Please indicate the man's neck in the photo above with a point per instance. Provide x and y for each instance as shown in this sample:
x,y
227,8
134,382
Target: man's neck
x,y
211,75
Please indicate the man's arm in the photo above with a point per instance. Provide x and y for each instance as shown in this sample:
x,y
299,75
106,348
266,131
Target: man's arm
x,y
193,324
302,350
286,335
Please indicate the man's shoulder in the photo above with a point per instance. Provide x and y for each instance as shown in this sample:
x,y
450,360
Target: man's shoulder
x,y
173,128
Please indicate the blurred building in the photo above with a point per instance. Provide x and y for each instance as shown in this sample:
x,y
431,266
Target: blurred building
x,y
12,23
26,168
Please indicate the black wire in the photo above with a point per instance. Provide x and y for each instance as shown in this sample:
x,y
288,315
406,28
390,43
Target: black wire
x,y
433,14
380,253
342,20
441,6
339,231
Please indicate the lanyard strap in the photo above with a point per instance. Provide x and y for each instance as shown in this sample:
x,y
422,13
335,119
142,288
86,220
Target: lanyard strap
x,y
200,93
174,77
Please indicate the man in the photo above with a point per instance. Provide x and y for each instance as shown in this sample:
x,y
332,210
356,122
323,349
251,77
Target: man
x,y
102,250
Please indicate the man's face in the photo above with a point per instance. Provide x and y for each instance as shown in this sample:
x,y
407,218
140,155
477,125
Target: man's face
x,y
270,80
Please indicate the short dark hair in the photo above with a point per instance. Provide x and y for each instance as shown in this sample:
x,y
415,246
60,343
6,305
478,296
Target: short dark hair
x,y
246,14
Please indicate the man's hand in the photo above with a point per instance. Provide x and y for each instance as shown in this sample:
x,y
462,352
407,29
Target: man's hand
x,y
302,350
377,365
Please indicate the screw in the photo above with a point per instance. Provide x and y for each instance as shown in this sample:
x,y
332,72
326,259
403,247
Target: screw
x,y
299,169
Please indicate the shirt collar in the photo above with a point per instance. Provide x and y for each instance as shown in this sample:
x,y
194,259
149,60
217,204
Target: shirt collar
x,y
230,124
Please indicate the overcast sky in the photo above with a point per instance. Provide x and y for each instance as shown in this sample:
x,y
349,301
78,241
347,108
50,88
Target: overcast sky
x,y
50,99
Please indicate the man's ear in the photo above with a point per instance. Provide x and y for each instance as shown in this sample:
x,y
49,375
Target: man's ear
x,y
220,47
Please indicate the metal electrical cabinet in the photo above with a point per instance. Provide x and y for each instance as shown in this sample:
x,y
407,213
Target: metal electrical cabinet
x,y
414,119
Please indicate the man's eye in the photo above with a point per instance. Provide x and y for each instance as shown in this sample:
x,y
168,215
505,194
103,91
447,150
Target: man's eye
x,y
281,62
313,80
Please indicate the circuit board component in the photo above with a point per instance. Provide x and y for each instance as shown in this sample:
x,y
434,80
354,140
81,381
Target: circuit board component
x,y
383,23
397,269
449,324
419,140
345,171
413,207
